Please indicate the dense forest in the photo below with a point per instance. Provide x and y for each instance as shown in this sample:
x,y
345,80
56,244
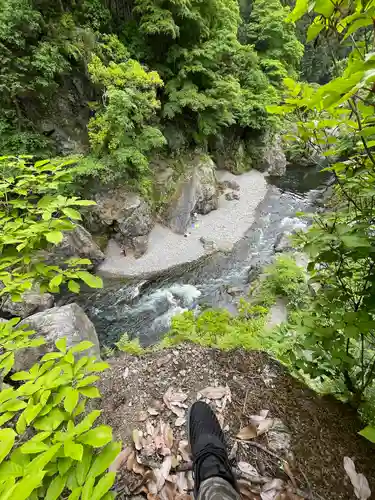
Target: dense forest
x,y
121,81
102,88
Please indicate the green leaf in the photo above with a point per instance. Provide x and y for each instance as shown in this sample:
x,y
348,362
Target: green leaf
x,y
369,433
97,367
75,493
61,345
359,23
90,392
10,469
83,466
55,488
73,450
14,405
90,280
87,422
54,237
73,214
353,241
64,465
84,203
74,286
56,281
97,437
51,421
299,10
69,357
33,447
71,399
87,381
104,485
87,488
104,459
5,417
52,355
27,485
82,346
314,29
7,437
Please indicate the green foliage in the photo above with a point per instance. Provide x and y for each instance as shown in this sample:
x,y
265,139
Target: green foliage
x,y
121,130
33,218
274,39
49,447
336,330
286,279
130,346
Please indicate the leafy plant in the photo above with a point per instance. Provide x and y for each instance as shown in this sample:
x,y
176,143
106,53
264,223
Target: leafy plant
x,y
33,218
49,448
337,329
130,346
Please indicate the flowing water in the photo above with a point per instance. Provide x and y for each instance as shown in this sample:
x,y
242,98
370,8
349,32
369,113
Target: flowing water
x,y
145,309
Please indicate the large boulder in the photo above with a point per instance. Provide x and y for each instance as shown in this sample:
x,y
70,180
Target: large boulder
x,y
78,243
274,159
233,157
32,302
195,191
127,215
68,321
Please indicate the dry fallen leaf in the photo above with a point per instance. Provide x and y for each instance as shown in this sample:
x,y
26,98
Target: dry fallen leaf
x,y
162,473
153,412
180,421
142,416
359,481
138,468
130,461
265,426
137,438
181,482
271,490
150,429
247,490
120,460
247,469
172,397
126,373
214,392
248,432
263,413
168,491
184,450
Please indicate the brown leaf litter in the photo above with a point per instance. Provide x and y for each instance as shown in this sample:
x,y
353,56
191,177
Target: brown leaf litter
x,y
285,442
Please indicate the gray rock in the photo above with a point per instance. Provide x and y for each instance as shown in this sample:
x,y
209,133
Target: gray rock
x,y
232,196
196,191
68,321
207,244
274,160
283,242
229,184
126,214
140,245
32,302
77,243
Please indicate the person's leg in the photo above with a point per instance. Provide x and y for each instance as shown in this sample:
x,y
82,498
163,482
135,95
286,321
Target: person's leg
x,y
213,476
216,488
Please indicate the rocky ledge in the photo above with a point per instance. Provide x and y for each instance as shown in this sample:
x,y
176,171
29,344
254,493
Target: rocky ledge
x,y
232,203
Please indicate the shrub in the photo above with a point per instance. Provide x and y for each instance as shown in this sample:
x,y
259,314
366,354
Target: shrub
x,y
49,446
130,346
33,218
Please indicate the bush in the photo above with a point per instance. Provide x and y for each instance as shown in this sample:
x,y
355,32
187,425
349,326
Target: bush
x,y
130,346
33,218
49,446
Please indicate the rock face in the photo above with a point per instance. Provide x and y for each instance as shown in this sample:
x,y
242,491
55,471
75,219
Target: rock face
x,y
283,242
274,160
78,243
32,302
68,321
196,191
234,158
127,215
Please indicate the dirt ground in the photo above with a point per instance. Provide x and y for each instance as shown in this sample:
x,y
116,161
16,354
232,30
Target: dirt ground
x,y
316,433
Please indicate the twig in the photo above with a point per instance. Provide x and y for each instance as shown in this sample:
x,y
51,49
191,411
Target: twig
x,y
244,403
263,448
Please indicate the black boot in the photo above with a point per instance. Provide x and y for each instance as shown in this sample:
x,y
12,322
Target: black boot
x,y
207,445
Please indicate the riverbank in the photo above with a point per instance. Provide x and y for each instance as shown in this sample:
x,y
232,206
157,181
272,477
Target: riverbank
x,y
222,227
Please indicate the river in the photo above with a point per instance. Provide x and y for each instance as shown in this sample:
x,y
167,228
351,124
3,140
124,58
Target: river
x,y
145,309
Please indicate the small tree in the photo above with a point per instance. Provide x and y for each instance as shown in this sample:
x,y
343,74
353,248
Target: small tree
x,y
338,330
